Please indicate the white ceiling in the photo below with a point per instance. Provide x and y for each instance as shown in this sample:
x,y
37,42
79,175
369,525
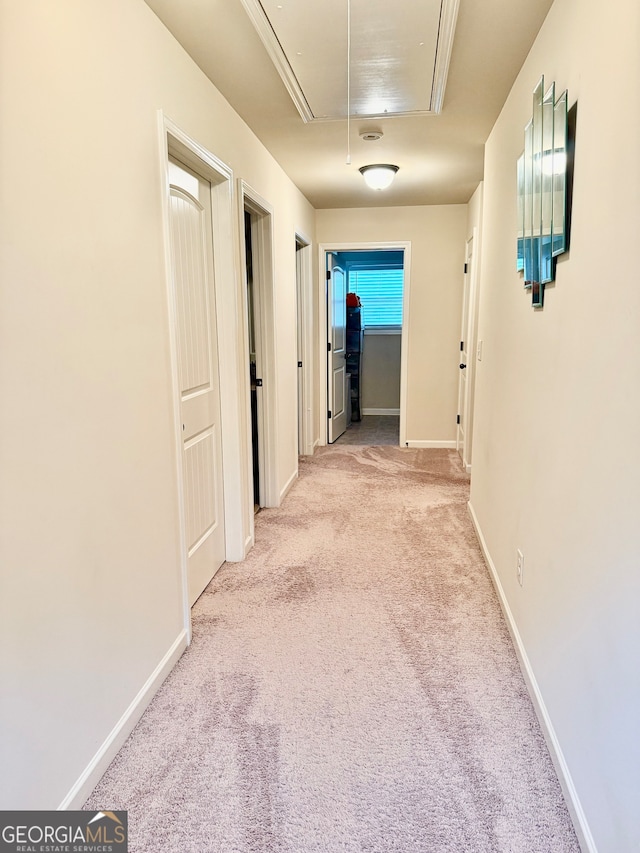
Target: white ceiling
x,y
399,63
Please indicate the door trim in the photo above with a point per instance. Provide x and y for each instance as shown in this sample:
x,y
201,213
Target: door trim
x,y
471,337
336,355
304,293
324,249
174,141
263,279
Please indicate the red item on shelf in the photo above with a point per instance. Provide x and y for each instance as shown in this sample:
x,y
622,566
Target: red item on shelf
x,y
353,300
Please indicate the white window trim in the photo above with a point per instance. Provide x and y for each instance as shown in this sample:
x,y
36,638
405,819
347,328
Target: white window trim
x,y
383,330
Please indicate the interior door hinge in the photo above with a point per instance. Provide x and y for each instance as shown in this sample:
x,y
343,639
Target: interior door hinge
x,y
457,419
299,364
328,275
466,268
461,346
329,347
329,415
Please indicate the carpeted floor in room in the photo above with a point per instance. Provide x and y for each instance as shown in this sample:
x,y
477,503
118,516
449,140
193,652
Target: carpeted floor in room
x,y
350,687
372,429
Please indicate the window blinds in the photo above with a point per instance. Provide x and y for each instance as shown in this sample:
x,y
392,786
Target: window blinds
x,y
380,292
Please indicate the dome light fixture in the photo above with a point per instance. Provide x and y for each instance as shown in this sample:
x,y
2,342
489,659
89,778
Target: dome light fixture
x,y
378,176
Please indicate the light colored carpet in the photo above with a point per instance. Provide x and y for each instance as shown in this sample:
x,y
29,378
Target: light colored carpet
x,y
373,429
350,687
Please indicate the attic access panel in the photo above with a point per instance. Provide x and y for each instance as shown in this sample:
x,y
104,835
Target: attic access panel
x,y
400,54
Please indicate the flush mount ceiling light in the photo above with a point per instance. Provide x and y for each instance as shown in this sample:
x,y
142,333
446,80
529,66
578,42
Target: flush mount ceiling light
x,y
379,175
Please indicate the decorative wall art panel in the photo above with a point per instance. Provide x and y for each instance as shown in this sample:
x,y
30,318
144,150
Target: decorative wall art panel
x,y
542,191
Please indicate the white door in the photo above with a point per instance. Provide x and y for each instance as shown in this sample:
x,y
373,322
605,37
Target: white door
x,y
462,441
192,255
337,349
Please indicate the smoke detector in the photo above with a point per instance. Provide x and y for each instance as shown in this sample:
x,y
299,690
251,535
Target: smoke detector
x,y
371,135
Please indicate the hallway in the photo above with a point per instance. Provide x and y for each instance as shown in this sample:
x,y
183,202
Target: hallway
x,y
351,686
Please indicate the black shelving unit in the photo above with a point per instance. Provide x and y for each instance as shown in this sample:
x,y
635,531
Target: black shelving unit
x,y
355,340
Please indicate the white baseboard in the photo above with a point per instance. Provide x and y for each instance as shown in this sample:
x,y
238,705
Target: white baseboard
x,y
94,771
287,485
449,445
248,545
381,412
574,806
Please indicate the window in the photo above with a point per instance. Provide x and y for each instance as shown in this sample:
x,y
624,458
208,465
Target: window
x,y
380,291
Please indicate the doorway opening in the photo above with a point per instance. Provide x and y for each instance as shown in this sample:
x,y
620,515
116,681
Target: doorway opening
x,y
304,333
257,235
366,341
253,372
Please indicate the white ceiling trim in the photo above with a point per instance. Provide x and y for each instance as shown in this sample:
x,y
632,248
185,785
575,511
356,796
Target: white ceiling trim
x,y
278,57
446,32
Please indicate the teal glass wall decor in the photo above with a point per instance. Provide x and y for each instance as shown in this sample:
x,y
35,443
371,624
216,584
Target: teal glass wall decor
x,y
542,191
560,167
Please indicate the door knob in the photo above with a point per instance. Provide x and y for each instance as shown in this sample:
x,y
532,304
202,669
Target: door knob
x,y
462,366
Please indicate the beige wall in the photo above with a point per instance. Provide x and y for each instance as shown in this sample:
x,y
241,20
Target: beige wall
x,y
91,597
474,211
437,236
381,371
555,469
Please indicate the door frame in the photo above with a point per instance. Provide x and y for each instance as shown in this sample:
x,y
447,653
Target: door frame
x,y
261,213
465,406
175,142
327,248
304,319
336,354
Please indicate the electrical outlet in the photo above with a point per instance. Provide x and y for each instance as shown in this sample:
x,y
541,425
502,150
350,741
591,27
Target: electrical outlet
x,y
520,565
